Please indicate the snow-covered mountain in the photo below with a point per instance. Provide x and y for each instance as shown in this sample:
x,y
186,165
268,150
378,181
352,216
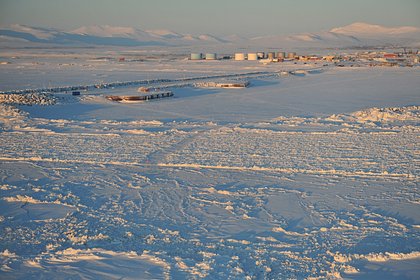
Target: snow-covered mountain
x,y
356,34
353,35
365,29
322,39
37,32
94,35
111,31
371,34
164,33
103,35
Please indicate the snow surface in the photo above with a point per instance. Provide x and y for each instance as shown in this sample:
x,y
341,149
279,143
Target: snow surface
x,y
311,176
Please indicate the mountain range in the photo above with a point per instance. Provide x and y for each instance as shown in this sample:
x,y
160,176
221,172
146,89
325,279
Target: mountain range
x,y
353,35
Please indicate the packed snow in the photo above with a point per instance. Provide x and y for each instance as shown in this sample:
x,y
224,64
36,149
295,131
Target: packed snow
x,y
311,176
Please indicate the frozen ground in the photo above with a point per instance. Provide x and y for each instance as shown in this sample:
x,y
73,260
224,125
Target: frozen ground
x,y
312,176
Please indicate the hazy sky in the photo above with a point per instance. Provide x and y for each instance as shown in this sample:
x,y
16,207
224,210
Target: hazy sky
x,y
217,17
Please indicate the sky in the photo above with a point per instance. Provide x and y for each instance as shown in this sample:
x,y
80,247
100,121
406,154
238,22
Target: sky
x,y
216,17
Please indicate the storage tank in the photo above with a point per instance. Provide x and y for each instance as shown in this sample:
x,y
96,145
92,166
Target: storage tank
x,y
271,55
252,56
196,56
239,56
281,55
291,55
260,55
211,56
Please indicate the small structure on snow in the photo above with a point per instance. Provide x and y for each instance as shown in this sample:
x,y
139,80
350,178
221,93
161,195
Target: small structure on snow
x,y
143,97
222,85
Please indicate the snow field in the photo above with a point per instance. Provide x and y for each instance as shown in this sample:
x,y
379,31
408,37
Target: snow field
x,y
275,207
157,191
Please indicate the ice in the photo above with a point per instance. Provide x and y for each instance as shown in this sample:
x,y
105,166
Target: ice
x,y
309,176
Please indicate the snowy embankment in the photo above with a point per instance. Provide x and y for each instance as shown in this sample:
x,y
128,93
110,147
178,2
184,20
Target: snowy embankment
x,y
181,82
410,113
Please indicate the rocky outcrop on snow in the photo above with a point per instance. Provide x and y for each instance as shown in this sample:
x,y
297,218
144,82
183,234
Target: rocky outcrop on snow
x,y
28,99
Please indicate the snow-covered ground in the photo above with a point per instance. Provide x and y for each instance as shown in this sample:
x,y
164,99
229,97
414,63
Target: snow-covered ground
x,y
308,176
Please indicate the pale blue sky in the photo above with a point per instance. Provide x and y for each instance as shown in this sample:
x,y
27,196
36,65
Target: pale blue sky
x,y
217,17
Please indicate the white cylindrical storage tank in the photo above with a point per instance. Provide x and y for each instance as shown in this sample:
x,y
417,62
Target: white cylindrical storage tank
x,y
260,55
211,56
291,55
271,55
281,55
239,56
252,56
196,56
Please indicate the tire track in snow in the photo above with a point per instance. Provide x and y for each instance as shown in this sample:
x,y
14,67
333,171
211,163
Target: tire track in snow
x,y
157,156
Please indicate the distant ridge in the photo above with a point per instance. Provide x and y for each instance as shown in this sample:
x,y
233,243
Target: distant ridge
x,y
103,35
361,28
355,34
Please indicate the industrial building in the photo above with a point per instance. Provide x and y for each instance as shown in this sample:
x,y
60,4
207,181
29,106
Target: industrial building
x,y
239,56
252,56
211,56
260,55
196,56
281,55
263,56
